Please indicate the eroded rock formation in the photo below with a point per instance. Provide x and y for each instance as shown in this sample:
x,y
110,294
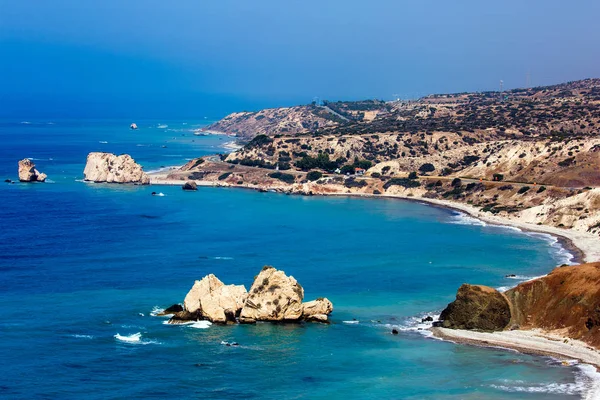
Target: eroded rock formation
x,y
28,173
110,168
477,307
274,296
565,302
211,299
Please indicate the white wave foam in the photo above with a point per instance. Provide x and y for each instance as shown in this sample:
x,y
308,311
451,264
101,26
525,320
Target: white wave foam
x,y
200,324
351,322
162,126
587,384
192,324
503,289
103,142
591,377
26,122
222,258
416,324
460,218
83,336
156,310
135,338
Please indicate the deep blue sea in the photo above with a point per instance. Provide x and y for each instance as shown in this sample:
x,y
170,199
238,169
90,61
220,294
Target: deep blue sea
x,y
81,263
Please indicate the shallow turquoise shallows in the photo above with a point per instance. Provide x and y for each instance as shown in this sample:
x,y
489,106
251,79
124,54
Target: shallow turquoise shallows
x,y
83,266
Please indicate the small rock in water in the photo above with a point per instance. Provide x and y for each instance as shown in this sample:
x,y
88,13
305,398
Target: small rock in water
x,y
394,331
190,185
153,193
7,181
510,276
427,319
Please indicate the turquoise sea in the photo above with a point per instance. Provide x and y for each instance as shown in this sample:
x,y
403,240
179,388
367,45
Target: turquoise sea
x,y
83,266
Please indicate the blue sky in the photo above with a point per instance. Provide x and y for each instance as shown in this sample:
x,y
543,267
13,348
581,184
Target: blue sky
x,y
175,55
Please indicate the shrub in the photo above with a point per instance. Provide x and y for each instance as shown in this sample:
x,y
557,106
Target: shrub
x,y
376,175
498,177
456,182
412,175
287,178
427,167
353,183
224,176
258,141
313,175
567,162
506,187
347,169
524,189
404,182
541,189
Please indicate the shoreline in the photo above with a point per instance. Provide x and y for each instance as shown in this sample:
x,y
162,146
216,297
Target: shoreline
x,y
535,342
583,247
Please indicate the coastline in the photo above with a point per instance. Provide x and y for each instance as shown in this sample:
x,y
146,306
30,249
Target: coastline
x,y
582,246
534,342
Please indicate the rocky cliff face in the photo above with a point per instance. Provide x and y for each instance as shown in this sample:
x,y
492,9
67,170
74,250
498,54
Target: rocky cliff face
x,y
565,302
477,307
211,299
28,173
110,168
273,297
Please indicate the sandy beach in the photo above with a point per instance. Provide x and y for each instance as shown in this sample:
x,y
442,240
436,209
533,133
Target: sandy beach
x,y
529,342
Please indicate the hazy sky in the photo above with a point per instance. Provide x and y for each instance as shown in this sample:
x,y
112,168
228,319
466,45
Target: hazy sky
x,y
266,52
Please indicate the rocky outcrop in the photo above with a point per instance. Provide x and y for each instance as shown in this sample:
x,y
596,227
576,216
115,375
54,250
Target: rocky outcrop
x,y
110,168
28,173
212,300
317,310
478,308
190,186
273,297
566,301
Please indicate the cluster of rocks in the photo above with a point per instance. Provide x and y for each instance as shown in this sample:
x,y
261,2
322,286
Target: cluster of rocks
x,y
28,173
110,168
274,296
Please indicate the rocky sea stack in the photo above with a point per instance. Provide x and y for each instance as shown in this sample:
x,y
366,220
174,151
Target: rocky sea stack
x,y
274,296
110,168
565,302
28,173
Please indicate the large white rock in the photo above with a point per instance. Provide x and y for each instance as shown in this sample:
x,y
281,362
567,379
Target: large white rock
x,y
273,297
28,173
317,310
110,168
213,300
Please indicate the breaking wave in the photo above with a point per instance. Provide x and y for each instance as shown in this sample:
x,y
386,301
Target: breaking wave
x,y
135,338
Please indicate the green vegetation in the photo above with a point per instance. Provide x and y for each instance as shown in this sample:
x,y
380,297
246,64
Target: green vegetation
x,y
404,182
412,175
524,189
322,161
224,176
314,175
498,177
427,167
287,178
259,141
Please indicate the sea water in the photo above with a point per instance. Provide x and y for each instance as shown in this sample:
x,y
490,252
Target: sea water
x,y
85,267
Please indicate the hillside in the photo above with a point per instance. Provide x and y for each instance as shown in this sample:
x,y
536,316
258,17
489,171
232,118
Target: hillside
x,y
530,155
